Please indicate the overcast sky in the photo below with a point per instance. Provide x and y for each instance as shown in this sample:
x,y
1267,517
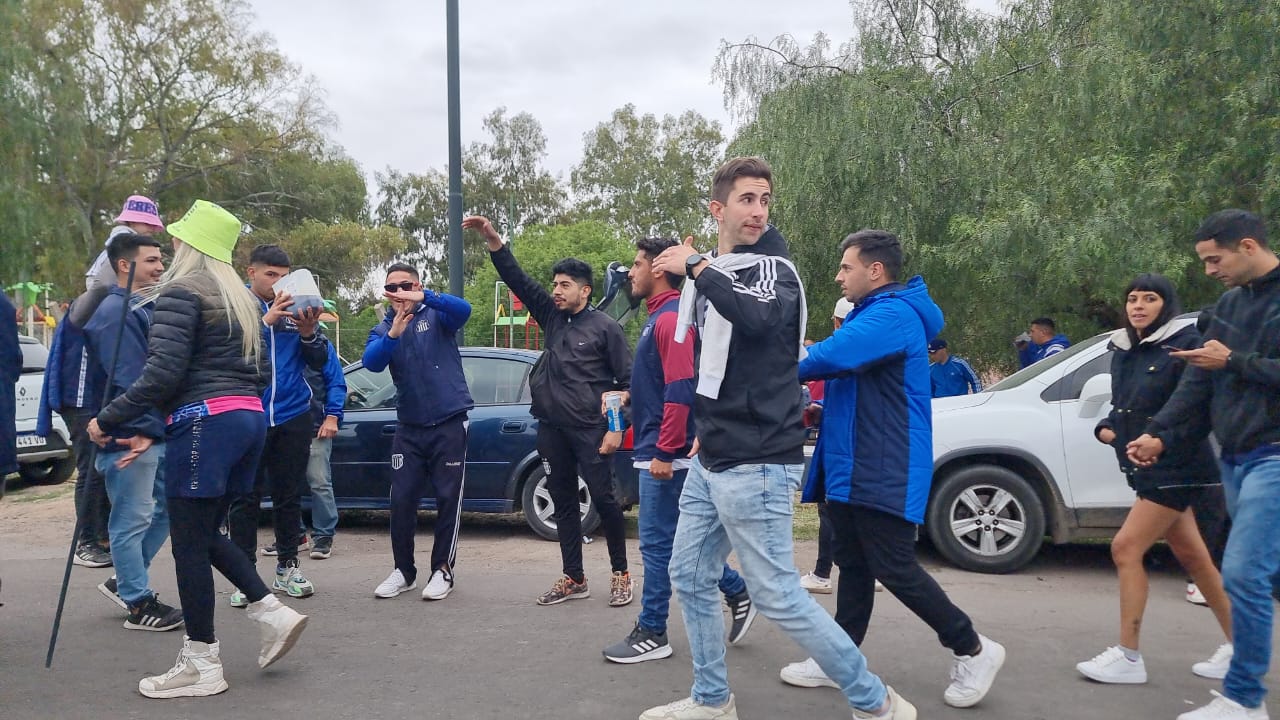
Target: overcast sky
x,y
570,63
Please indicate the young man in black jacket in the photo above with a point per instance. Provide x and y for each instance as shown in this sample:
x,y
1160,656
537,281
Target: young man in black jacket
x,y
586,355
749,307
1234,379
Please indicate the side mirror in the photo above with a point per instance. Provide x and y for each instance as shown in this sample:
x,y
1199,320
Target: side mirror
x,y
1095,393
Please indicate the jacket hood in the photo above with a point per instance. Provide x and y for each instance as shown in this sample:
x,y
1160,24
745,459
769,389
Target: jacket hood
x,y
916,295
1120,338
770,243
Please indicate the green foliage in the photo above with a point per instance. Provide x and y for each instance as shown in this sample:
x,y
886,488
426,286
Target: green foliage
x,y
1033,163
647,177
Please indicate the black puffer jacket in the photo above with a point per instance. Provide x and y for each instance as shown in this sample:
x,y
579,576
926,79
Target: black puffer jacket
x,y
1142,380
193,354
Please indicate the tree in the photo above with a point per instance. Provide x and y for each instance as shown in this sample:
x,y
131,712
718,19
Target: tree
x,y
647,177
502,179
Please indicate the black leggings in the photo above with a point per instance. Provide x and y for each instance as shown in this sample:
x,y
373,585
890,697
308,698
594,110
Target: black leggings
x,y
198,547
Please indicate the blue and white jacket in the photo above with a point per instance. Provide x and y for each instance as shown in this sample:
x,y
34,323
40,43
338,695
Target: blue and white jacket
x,y
288,395
875,446
424,360
101,333
68,383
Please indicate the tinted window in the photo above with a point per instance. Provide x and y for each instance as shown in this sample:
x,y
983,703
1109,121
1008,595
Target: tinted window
x,y
1035,369
367,389
496,381
1069,387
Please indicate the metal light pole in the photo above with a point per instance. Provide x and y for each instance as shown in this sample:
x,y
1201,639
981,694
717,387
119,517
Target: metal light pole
x,y
455,153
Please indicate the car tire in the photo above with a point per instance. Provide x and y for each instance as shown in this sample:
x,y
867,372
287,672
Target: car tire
x,y
535,500
986,518
49,472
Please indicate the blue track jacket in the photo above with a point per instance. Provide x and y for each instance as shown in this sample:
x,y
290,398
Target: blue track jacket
x,y
328,390
100,341
875,446
288,395
424,360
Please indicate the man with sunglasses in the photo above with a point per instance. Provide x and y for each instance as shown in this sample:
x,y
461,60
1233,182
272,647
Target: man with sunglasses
x,y
418,339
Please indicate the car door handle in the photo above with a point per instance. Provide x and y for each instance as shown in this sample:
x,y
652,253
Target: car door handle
x,y
388,429
513,426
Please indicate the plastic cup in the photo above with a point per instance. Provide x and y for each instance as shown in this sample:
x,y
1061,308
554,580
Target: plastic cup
x,y
301,286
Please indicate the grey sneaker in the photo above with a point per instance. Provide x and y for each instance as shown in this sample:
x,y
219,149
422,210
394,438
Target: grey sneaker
x,y
322,548
638,646
290,581
92,555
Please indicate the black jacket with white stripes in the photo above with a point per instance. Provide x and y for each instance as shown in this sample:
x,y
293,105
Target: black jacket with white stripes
x,y
757,417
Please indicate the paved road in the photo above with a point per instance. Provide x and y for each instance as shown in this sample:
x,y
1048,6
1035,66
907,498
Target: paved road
x,y
489,652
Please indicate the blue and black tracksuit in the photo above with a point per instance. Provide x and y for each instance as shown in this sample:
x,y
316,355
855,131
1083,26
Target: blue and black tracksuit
x,y
953,376
874,460
1033,353
282,467
432,402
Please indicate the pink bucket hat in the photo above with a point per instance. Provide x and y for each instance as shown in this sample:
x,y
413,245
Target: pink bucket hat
x,y
140,209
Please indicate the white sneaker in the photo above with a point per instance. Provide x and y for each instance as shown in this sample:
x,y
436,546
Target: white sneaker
x,y
899,709
972,675
439,586
816,584
1194,596
1215,668
806,674
1111,666
687,709
1223,708
393,585
281,627
198,673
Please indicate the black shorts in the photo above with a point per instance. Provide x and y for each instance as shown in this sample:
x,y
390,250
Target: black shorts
x,y
1175,498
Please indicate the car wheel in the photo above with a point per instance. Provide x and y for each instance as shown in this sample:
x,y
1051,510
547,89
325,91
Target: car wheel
x,y
987,519
535,498
49,472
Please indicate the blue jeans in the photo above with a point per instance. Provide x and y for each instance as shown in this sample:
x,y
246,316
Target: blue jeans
x,y
324,510
139,521
749,509
659,513
1249,568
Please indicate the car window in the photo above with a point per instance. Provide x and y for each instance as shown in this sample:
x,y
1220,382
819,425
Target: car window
x,y
1036,369
496,381
34,355
367,389
1070,385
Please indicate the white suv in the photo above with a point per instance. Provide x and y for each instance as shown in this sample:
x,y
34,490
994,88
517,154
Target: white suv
x,y
44,460
1020,461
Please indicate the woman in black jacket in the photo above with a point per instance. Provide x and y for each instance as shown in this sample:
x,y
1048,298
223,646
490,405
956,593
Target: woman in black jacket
x,y
1143,376
204,372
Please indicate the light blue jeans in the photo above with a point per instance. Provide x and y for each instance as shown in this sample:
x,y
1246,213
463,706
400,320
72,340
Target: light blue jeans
x,y
324,510
139,520
749,509
1249,570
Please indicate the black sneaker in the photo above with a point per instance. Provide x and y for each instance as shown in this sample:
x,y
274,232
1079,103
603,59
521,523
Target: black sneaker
x,y
639,646
109,590
322,548
153,615
272,551
742,612
92,555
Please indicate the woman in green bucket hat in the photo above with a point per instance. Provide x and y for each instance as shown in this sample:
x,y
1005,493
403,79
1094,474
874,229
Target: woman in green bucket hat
x,y
204,372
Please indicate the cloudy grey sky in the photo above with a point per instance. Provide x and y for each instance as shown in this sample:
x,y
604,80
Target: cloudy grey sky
x,y
570,63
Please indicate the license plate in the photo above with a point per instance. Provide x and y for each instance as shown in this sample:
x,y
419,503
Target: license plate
x,y
28,441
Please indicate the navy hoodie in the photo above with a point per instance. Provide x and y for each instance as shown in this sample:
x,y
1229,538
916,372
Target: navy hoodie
x,y
100,341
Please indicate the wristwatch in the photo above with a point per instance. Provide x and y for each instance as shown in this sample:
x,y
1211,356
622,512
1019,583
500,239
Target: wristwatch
x,y
692,261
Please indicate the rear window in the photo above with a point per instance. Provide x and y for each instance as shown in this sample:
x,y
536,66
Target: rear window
x,y
34,355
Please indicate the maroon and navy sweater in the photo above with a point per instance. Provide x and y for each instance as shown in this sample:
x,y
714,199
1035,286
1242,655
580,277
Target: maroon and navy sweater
x,y
662,385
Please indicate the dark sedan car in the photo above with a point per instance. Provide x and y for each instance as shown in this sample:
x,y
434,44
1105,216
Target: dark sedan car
x,y
503,472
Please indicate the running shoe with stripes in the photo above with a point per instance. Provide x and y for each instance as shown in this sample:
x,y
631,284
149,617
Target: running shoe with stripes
x,y
742,612
111,591
640,645
153,615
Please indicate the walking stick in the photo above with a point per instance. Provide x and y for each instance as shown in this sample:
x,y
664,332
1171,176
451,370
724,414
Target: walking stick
x,y
93,453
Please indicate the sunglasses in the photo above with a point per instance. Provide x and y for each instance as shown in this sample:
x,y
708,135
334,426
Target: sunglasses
x,y
392,287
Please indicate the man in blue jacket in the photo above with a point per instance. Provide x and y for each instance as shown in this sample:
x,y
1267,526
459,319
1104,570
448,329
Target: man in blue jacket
x,y
293,341
328,394
874,460
1041,340
948,374
418,339
139,521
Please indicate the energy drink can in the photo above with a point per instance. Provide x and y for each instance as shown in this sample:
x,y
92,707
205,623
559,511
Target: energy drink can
x,y
613,411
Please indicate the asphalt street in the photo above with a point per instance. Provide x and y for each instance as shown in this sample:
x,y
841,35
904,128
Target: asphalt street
x,y
488,651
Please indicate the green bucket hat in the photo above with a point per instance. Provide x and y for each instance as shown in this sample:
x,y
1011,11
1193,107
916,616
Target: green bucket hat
x,y
208,228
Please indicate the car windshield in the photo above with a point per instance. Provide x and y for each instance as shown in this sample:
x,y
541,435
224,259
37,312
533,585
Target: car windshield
x,y
1035,369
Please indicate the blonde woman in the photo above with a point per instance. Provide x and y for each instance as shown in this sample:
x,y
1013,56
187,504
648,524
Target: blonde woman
x,y
202,371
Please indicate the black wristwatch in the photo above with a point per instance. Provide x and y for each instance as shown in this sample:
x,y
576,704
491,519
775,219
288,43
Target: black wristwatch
x,y
692,261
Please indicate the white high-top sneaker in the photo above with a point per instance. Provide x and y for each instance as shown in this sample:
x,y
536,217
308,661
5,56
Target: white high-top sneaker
x,y
198,673
281,626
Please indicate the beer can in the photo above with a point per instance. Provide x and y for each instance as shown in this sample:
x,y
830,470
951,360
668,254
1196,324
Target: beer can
x,y
613,411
